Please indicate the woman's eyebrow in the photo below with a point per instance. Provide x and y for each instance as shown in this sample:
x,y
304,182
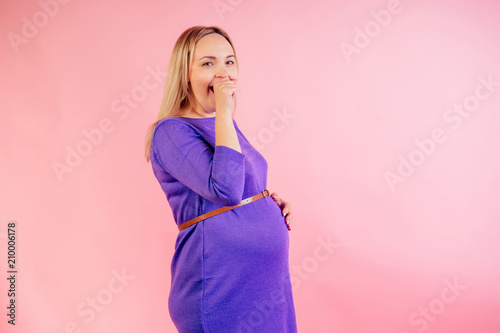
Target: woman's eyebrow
x,y
212,57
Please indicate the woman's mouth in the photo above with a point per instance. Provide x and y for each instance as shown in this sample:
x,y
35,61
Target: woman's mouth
x,y
211,88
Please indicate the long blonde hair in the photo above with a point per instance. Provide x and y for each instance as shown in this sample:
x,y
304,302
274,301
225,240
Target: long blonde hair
x,y
178,93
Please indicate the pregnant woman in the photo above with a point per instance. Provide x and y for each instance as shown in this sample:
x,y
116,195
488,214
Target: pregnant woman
x,y
230,267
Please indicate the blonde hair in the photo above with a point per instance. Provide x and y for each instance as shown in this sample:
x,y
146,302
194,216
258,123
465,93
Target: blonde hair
x,y
178,93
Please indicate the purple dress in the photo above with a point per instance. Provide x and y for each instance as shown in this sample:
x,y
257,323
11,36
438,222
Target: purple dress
x,y
229,272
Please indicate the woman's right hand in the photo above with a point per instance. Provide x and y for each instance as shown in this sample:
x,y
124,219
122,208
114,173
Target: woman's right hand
x,y
225,94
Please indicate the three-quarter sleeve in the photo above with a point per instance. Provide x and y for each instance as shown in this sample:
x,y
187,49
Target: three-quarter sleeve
x,y
217,174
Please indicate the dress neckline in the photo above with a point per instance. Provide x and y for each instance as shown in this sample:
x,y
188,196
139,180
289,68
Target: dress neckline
x,y
194,118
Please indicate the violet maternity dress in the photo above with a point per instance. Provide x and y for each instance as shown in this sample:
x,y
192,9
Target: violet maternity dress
x,y
229,272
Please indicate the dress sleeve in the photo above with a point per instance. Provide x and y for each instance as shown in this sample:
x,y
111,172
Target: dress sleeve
x,y
217,174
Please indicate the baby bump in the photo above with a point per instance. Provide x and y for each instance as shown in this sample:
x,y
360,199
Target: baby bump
x,y
253,234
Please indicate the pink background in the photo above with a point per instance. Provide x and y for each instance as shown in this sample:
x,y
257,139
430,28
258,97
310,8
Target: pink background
x,y
338,95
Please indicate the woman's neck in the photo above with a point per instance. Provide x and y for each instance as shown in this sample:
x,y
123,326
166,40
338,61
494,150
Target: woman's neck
x,y
189,112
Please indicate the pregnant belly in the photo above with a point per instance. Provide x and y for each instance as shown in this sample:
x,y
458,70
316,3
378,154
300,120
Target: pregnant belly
x,y
253,234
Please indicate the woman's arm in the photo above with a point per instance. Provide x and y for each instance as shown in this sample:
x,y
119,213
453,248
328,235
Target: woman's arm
x,y
217,174
225,133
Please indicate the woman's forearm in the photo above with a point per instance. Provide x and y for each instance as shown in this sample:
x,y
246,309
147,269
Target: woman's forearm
x,y
225,133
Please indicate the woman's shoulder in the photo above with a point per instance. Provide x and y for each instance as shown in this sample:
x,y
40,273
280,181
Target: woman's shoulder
x,y
171,119
175,121
177,127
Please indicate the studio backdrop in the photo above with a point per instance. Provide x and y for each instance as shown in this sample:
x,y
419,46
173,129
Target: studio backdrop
x,y
379,121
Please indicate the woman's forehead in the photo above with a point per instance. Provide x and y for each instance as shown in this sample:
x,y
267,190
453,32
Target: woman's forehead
x,y
212,45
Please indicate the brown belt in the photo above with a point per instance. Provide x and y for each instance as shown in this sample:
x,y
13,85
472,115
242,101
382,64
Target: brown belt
x,y
202,217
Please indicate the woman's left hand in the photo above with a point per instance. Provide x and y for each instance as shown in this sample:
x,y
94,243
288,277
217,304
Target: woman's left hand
x,y
286,209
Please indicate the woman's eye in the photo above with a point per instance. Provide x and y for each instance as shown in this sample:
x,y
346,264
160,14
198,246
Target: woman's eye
x,y
209,63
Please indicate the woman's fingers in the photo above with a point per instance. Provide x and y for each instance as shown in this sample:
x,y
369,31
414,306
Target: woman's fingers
x,y
224,92
227,86
287,213
286,209
276,198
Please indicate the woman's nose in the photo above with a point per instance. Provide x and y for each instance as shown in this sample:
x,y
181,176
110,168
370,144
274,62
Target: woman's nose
x,y
222,73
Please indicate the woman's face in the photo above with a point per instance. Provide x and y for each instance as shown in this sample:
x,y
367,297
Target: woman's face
x,y
213,61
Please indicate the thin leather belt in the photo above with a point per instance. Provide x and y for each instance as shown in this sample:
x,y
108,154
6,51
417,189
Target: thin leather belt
x,y
202,217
